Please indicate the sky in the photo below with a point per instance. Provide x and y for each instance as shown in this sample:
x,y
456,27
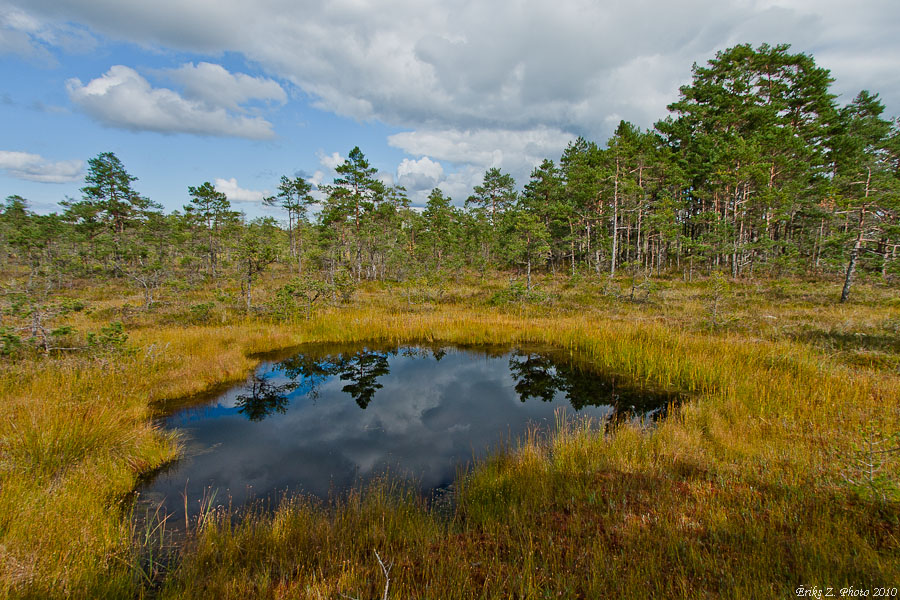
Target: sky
x,y
239,93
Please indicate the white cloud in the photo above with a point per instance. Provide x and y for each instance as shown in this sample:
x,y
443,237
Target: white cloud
x,y
483,147
217,87
458,185
508,64
33,167
317,178
422,174
331,161
516,152
236,193
122,98
32,38
19,20
18,35
496,78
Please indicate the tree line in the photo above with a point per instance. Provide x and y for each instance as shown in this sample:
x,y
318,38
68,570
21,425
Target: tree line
x,y
757,171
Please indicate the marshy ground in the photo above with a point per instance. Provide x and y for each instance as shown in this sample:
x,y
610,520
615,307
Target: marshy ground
x,y
780,471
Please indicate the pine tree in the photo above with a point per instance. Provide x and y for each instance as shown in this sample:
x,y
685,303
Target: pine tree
x,y
865,179
211,208
361,191
295,198
495,195
750,129
438,217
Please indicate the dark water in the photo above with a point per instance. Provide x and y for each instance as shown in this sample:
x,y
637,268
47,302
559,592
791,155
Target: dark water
x,y
332,417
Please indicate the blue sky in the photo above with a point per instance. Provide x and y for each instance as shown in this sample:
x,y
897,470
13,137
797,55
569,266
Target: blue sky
x,y
434,93
38,117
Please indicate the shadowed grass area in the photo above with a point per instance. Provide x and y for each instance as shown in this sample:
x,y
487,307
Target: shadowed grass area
x,y
549,520
750,489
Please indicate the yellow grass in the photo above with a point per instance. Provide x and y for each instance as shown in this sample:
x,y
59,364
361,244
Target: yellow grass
x,y
752,472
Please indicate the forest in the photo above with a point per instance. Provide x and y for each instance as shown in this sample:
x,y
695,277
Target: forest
x,y
757,172
740,256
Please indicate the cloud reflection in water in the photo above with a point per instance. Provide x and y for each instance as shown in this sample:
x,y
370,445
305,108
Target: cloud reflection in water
x,y
330,417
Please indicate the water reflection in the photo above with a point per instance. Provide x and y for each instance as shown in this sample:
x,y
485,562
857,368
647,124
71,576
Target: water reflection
x,y
539,375
264,398
544,376
363,371
329,417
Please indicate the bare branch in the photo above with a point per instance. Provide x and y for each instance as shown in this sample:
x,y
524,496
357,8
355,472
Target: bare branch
x,y
387,571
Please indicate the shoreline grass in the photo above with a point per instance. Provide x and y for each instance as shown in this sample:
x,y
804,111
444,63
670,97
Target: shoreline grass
x,y
742,491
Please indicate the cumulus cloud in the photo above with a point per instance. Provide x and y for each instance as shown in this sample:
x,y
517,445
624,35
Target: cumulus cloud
x,y
515,152
483,147
123,98
331,161
458,184
422,174
317,178
236,193
507,64
504,69
216,86
33,167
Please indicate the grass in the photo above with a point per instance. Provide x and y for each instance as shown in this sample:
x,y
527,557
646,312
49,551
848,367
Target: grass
x,y
750,489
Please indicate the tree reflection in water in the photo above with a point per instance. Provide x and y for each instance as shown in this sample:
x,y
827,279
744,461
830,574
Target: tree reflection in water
x,y
539,375
264,398
536,376
294,426
363,371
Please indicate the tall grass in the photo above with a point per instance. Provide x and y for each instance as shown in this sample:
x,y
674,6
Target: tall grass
x,y
743,491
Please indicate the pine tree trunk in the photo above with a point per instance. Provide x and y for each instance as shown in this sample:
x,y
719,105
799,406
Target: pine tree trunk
x,y
851,267
857,245
529,274
885,261
888,259
249,288
615,240
854,256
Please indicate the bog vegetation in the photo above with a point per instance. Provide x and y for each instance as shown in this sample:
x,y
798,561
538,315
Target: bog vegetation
x,y
715,254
